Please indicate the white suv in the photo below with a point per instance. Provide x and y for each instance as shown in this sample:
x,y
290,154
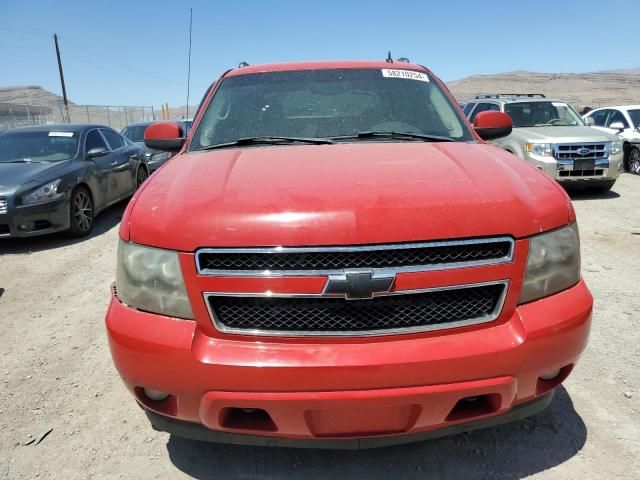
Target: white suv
x,y
623,121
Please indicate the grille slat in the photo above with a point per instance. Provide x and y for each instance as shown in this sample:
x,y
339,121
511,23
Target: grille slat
x,y
572,151
3,205
333,316
335,258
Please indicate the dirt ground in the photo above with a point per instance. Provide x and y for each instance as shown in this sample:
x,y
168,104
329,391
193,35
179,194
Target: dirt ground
x,y
56,373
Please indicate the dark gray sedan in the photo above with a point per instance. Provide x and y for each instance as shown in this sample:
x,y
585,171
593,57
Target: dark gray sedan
x,y
59,177
135,133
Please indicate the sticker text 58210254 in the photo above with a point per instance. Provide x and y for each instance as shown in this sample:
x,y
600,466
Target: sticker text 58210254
x,y
408,74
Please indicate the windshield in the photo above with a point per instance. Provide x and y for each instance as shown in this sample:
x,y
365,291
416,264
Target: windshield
x,y
135,133
327,103
635,117
44,146
543,114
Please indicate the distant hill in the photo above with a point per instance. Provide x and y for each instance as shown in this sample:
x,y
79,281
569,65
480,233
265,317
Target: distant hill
x,y
30,94
615,87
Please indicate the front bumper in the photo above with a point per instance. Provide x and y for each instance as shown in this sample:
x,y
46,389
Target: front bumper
x,y
372,388
34,220
605,170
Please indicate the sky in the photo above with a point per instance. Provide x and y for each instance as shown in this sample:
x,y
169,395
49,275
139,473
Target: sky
x,y
136,52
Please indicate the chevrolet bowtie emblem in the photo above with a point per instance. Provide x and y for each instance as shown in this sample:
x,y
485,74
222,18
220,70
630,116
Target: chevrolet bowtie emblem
x,y
358,285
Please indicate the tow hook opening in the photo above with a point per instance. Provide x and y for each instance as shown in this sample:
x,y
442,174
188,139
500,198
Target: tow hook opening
x,y
255,419
475,406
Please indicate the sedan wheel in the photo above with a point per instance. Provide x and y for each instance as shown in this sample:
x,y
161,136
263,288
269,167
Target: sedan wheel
x,y
634,160
81,212
141,176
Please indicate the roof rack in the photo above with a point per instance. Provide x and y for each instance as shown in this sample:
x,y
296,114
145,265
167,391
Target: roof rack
x,y
243,64
509,95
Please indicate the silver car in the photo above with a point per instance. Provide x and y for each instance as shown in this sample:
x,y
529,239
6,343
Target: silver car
x,y
552,136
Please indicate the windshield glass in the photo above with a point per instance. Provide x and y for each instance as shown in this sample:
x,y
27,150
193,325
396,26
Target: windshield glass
x,y
543,114
135,133
327,103
45,146
635,117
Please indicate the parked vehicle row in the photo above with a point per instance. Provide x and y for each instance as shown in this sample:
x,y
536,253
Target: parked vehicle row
x,y
59,177
336,258
549,134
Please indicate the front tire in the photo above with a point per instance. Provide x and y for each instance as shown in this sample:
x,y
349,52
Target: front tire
x,y
81,212
141,176
634,160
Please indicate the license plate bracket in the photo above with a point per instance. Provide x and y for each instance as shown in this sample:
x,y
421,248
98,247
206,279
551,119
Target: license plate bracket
x,y
583,164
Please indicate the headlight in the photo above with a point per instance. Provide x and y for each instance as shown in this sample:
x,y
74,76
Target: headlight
x,y
150,279
45,193
540,149
616,147
553,264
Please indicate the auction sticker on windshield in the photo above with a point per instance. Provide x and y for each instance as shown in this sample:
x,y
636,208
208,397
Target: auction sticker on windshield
x,y
61,134
410,74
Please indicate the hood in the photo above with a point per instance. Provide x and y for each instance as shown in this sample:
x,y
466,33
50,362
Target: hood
x,y
564,134
343,194
14,175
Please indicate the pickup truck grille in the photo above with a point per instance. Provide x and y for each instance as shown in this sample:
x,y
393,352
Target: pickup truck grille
x,y
581,151
396,313
401,257
3,205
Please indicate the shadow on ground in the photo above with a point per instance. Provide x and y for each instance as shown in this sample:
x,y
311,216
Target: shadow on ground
x,y
104,222
586,194
510,451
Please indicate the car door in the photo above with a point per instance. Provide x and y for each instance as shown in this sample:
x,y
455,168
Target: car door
x,y
617,116
103,166
123,173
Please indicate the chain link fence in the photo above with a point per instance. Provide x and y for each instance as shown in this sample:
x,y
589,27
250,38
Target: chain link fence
x,y
14,115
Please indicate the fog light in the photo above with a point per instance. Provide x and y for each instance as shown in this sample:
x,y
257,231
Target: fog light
x,y
155,395
23,227
550,375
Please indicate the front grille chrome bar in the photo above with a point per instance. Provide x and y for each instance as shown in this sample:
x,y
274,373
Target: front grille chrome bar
x,y
504,244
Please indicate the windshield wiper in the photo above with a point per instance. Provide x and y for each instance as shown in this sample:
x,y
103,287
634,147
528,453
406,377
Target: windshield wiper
x,y
396,135
267,141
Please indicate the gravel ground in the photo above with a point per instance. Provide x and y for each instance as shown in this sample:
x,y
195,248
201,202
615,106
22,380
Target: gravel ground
x,y
56,373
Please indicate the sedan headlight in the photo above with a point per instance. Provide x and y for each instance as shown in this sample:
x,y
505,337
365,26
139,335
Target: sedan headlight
x,y
616,147
45,193
553,264
540,149
150,279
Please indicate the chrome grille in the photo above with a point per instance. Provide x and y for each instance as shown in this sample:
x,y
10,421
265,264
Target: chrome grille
x,y
400,257
3,205
403,312
581,151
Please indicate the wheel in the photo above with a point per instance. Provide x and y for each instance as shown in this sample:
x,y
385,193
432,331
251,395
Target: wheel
x,y
634,160
604,186
81,212
141,176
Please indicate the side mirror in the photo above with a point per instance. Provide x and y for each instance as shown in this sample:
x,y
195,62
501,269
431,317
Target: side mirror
x,y
167,136
97,152
492,124
617,126
589,121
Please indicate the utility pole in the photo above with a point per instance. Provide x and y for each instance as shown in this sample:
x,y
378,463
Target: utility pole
x,y
64,90
189,67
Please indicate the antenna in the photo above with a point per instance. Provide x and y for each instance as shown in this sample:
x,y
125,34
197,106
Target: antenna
x,y
189,67
389,59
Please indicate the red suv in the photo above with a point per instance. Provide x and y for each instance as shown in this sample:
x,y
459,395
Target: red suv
x,y
336,258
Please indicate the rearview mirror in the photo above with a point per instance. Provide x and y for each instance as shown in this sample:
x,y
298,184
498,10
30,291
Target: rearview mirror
x,y
491,124
617,126
97,152
167,136
589,121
